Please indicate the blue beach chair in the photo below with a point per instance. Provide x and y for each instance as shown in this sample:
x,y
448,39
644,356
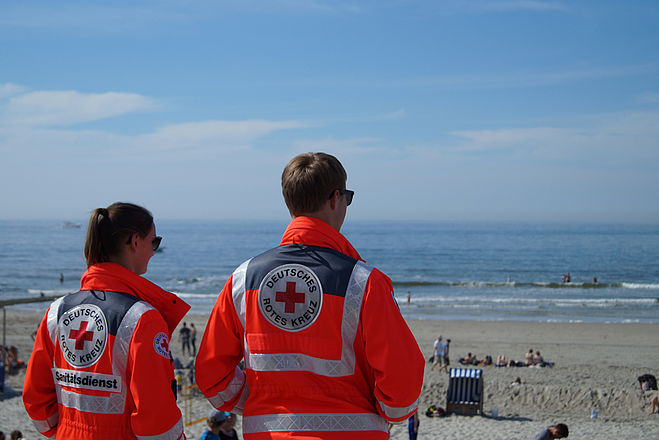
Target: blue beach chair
x,y
465,391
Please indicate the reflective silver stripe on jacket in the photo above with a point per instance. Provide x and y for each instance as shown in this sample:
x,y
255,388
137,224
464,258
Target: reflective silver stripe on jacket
x,y
238,291
231,391
51,320
397,412
173,434
239,407
314,422
302,362
46,425
115,402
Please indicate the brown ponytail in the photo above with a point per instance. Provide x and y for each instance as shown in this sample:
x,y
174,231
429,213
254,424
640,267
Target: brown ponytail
x,y
110,228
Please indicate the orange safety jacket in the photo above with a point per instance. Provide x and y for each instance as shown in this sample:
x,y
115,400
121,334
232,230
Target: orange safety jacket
x,y
101,366
327,353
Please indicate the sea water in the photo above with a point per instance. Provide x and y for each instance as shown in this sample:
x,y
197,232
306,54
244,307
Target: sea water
x,y
451,270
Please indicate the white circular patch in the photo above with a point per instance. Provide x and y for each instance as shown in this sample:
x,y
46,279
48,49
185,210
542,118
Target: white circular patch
x,y
290,297
83,335
161,345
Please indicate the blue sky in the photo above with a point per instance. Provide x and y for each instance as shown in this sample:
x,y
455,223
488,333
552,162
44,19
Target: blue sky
x,y
448,110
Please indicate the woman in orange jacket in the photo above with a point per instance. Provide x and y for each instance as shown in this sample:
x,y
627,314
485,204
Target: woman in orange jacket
x,y
101,366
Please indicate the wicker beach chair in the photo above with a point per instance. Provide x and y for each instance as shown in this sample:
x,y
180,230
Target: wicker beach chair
x,y
465,391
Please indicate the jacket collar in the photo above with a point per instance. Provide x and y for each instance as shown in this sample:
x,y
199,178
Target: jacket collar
x,y
316,232
115,277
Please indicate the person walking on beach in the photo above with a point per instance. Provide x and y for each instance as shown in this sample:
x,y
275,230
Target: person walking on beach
x,y
101,366
193,339
444,356
327,352
436,352
184,337
556,431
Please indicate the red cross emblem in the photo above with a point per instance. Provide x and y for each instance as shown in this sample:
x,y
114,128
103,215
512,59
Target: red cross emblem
x,y
81,335
290,297
164,345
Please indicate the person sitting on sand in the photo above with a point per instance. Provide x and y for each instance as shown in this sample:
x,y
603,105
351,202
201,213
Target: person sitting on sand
x,y
12,362
655,405
647,382
470,359
485,362
552,432
538,361
528,358
517,381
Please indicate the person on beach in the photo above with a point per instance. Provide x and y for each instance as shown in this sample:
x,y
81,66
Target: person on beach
x,y
538,360
327,352
437,352
528,358
556,431
647,382
184,337
101,366
444,357
12,362
467,360
655,405
413,425
220,426
193,339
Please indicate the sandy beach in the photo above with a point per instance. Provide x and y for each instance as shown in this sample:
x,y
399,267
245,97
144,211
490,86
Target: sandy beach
x,y
595,367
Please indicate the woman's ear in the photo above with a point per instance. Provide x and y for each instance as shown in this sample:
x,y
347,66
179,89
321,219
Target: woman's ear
x,y
133,242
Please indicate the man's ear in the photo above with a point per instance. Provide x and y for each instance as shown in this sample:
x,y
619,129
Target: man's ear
x,y
333,200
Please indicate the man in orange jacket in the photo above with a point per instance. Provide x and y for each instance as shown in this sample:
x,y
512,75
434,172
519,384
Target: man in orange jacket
x,y
327,352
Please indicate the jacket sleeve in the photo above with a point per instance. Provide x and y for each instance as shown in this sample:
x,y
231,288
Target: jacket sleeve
x,y
391,351
216,367
39,396
150,377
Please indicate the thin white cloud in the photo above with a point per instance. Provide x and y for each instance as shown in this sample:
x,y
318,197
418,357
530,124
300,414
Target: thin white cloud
x,y
514,5
211,134
62,108
486,80
332,145
9,89
400,113
615,137
648,98
193,141
517,79
150,15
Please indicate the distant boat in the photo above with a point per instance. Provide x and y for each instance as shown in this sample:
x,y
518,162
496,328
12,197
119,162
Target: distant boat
x,y
70,225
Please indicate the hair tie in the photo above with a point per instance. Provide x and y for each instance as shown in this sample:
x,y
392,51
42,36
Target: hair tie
x,y
102,214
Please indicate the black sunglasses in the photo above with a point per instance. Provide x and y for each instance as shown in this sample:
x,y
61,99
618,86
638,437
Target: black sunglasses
x,y
156,243
348,193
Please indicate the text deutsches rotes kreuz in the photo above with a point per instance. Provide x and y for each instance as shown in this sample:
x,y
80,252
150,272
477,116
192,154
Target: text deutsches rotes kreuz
x,y
83,334
290,297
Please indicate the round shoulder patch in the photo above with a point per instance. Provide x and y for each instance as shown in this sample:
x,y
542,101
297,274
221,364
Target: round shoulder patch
x,y
83,335
291,297
161,345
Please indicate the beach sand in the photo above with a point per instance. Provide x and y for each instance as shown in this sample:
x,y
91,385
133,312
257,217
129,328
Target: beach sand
x,y
596,366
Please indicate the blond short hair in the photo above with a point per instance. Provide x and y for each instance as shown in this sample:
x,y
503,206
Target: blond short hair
x,y
309,179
